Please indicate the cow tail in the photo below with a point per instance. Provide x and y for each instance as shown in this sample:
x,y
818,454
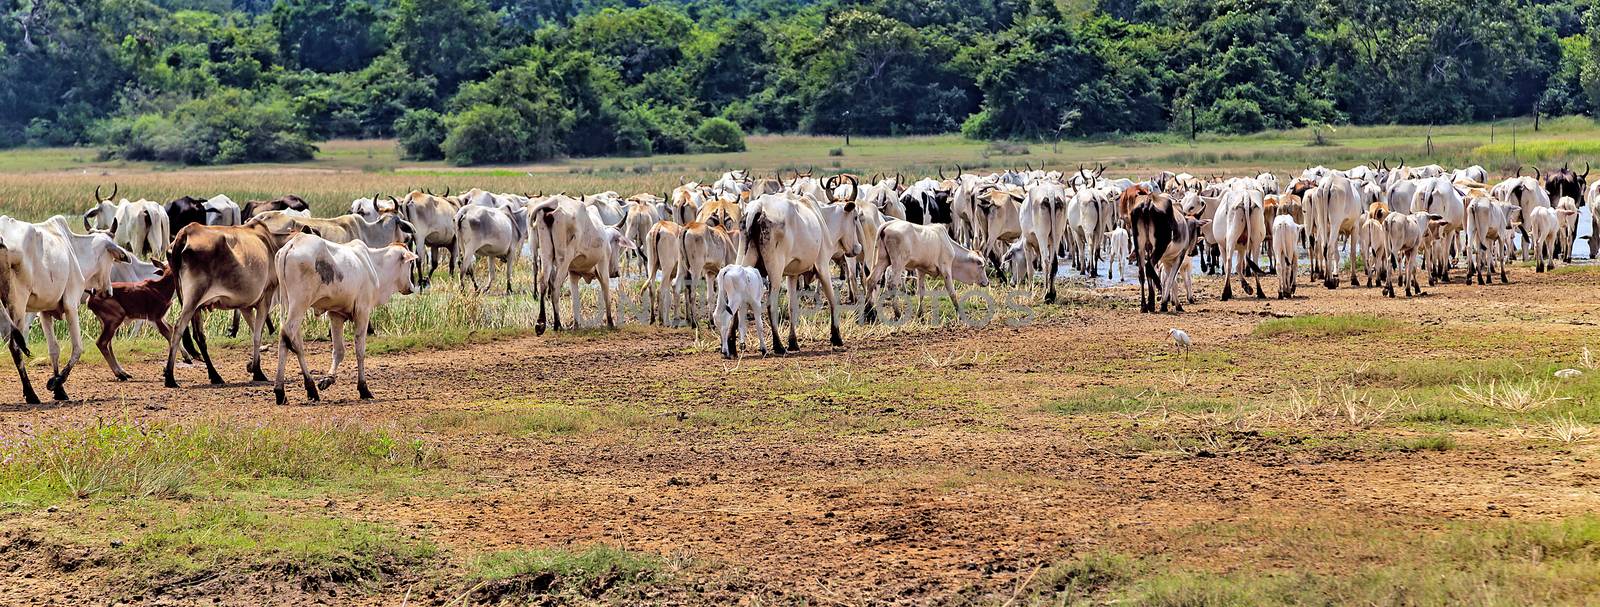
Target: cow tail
x,y
759,232
549,220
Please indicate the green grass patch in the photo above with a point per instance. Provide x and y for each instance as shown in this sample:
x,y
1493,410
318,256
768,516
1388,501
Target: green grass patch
x,y
1434,442
1120,399
158,542
1324,325
581,574
111,461
1545,563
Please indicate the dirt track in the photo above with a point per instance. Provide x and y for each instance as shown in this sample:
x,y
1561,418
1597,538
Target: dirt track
x,y
915,468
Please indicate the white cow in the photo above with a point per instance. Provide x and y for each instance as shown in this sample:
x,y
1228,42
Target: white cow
x,y
1543,225
1285,233
39,274
1239,228
573,244
928,251
739,293
787,237
494,233
222,211
348,282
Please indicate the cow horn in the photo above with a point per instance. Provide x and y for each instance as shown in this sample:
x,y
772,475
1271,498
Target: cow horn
x,y
446,191
855,187
1402,163
1585,175
941,172
1519,170
428,191
1385,164
959,170
97,197
1538,173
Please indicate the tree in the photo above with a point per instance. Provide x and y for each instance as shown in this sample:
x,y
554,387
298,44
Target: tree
x,y
328,36
448,40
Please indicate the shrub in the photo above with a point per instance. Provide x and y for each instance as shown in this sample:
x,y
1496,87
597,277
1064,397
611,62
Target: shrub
x,y
486,133
230,126
977,126
719,135
422,133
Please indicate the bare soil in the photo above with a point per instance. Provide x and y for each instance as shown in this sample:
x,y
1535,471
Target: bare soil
x,y
919,468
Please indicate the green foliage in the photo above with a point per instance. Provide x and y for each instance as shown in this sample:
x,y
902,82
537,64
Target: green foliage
x,y
228,127
613,78
719,135
421,133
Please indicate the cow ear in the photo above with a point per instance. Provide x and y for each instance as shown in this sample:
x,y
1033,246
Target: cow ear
x,y
1435,217
850,207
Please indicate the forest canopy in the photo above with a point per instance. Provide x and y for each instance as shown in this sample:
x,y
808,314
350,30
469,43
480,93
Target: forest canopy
x,y
488,81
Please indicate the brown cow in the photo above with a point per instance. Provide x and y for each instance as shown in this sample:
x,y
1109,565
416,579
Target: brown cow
x,y
223,268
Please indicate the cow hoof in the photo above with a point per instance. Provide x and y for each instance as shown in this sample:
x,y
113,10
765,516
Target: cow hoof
x,y
169,382
53,383
538,330
363,392
258,376
29,397
282,399
216,380
325,383
124,377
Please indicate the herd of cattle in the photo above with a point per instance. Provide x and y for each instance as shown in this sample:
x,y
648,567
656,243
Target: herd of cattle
x,y
740,238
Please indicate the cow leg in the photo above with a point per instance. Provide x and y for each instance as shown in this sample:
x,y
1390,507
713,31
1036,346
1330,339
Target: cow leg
x,y
833,313
362,318
773,281
108,330
922,294
233,329
53,347
605,293
577,301
186,313
794,311
688,302
1050,279
75,332
258,321
1227,282
555,295
18,346
336,326
198,329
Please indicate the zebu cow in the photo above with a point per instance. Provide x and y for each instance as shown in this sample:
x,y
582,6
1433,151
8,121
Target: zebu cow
x,y
1335,206
1409,236
372,208
346,281
1566,182
140,226
146,300
222,211
1373,240
706,250
39,274
1567,214
1438,196
223,268
1489,238
494,233
738,182
928,201
434,220
926,250
184,211
785,238
388,229
1162,240
663,247
1544,226
639,214
999,222
1118,250
573,244
1044,223
1089,215
1239,228
286,203
1286,257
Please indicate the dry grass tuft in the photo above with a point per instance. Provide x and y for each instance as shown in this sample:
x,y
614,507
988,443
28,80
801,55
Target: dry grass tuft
x,y
1516,397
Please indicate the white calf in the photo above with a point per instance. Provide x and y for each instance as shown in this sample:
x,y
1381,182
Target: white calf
x,y
1285,255
740,294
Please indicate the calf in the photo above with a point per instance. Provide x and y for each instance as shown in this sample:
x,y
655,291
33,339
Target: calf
x,y
1544,226
739,293
927,250
348,282
1117,260
1409,235
1285,254
146,300
1567,214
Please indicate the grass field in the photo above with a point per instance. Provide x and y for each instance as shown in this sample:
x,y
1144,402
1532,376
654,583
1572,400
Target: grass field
x,y
37,183
1335,448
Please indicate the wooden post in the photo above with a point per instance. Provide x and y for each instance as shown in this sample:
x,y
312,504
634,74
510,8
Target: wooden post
x,y
1191,123
1535,116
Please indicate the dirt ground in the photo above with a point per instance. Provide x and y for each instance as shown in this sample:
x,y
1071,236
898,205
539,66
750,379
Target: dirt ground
x,y
916,468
